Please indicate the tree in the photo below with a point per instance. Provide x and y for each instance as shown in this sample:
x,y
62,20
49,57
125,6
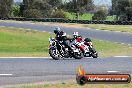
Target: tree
x,y
122,9
33,13
40,8
129,14
100,15
79,6
34,8
5,8
58,14
15,11
55,3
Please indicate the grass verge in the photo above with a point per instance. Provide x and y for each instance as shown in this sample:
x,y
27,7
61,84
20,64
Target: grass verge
x,y
74,85
20,42
120,28
27,43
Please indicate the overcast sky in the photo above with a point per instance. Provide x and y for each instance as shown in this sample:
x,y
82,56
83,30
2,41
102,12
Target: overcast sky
x,y
96,2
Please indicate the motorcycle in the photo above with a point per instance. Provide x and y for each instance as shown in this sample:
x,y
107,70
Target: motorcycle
x,y
58,50
86,47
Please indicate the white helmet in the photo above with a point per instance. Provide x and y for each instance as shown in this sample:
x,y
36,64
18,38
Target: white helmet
x,y
75,33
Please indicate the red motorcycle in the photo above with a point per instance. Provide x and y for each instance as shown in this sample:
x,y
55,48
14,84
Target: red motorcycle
x,y
86,46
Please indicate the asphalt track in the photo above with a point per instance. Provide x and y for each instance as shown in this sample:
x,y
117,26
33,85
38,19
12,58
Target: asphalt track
x,y
33,70
98,34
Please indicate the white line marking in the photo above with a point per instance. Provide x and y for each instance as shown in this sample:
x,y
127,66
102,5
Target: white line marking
x,y
122,56
35,30
25,57
112,71
6,74
129,44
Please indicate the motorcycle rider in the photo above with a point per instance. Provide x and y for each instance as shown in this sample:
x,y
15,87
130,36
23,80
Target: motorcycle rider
x,y
79,41
77,37
62,37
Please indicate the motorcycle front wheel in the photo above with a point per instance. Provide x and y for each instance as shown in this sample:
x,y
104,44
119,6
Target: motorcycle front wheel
x,y
54,53
94,53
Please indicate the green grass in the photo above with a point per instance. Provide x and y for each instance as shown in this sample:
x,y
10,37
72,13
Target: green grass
x,y
21,42
121,28
86,16
72,16
74,85
109,49
111,18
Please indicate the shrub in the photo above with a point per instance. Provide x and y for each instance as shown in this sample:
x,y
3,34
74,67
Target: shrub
x,y
33,13
15,11
100,15
58,14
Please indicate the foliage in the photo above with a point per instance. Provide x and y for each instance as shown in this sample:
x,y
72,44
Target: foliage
x,y
58,14
15,11
123,9
99,15
79,6
33,13
5,8
44,8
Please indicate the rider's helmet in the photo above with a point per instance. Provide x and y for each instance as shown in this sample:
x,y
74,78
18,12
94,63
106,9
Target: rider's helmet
x,y
75,34
57,30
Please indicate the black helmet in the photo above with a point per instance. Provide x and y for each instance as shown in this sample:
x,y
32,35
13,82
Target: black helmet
x,y
87,40
57,30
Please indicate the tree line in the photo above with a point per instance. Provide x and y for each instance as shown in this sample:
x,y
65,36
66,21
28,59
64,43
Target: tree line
x,y
122,9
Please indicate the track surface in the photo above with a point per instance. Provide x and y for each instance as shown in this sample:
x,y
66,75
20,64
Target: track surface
x,y
25,70
98,34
